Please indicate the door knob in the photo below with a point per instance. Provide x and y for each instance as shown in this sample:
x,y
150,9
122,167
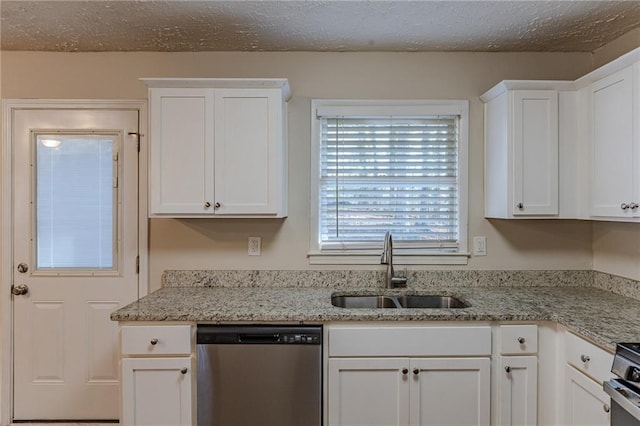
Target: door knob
x,y
19,290
624,206
217,205
633,206
23,268
507,369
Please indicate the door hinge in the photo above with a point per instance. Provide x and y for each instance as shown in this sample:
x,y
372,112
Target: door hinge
x,y
137,264
137,135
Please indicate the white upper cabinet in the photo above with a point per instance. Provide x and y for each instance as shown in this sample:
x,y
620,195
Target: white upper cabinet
x,y
218,147
521,153
565,149
614,136
181,151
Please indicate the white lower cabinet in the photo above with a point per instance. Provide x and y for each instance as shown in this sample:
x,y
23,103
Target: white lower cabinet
x,y
586,404
516,375
409,391
409,375
586,367
157,391
449,391
368,391
518,390
158,375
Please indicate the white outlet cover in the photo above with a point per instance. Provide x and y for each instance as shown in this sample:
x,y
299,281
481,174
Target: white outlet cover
x,y
480,246
254,246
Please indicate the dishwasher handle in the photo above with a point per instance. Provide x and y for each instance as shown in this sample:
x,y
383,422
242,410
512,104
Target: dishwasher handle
x,y
258,338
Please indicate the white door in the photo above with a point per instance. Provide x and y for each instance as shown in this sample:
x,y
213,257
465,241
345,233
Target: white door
x,y
586,404
75,223
535,152
612,139
182,151
156,391
249,188
368,391
518,390
450,391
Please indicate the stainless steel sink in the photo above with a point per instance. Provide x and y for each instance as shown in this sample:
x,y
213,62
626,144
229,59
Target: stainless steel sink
x,y
428,301
364,302
398,302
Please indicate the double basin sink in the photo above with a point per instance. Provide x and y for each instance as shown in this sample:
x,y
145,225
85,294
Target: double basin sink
x,y
398,302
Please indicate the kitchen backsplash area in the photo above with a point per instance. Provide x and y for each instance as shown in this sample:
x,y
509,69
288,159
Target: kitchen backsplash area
x,y
418,280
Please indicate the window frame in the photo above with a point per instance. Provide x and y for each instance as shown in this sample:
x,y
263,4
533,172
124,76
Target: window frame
x,y
404,254
117,261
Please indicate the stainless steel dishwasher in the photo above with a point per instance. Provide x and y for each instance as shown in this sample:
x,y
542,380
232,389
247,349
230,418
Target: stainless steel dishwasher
x,y
259,375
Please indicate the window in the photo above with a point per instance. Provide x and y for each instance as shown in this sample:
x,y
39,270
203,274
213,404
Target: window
x,y
76,202
397,166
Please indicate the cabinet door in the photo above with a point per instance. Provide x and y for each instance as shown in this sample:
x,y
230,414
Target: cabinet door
x,y
612,145
586,404
247,133
181,152
368,391
535,152
157,392
450,391
518,390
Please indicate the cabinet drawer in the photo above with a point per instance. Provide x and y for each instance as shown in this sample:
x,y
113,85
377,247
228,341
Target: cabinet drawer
x,y
588,358
410,341
156,340
518,339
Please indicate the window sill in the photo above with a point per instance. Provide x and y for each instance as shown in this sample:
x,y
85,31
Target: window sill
x,y
343,258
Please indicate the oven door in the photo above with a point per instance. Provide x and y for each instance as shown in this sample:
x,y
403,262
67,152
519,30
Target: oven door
x,y
625,400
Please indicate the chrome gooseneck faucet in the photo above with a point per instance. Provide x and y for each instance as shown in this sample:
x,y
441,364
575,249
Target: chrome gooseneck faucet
x,y
391,281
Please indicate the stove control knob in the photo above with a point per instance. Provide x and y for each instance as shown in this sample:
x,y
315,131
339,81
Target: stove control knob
x,y
634,376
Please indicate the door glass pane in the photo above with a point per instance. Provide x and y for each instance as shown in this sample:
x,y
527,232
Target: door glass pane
x,y
76,179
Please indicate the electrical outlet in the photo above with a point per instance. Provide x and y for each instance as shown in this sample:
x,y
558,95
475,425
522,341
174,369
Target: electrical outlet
x,y
254,246
480,246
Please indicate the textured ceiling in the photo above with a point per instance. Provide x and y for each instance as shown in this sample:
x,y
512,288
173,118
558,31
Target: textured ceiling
x,y
312,25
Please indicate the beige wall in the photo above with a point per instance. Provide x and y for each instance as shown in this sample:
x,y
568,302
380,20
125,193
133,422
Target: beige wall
x,y
616,48
222,244
616,246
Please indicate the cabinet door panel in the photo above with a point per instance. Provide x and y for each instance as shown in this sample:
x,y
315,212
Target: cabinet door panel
x,y
535,151
181,163
368,392
155,392
518,390
245,151
586,404
611,116
450,391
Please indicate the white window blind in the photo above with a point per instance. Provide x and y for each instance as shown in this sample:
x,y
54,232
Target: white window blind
x,y
389,173
76,201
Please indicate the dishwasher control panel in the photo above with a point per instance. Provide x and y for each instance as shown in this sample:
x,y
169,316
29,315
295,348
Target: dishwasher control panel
x,y
261,335
300,338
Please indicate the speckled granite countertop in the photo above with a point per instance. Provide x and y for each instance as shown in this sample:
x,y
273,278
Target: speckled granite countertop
x,y
596,314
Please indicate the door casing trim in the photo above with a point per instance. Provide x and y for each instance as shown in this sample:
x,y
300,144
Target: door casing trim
x,y
6,219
